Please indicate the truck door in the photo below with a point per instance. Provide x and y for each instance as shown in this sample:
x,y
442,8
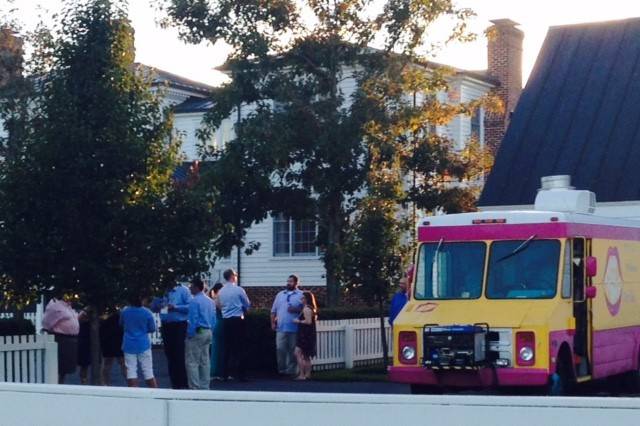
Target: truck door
x,y
581,248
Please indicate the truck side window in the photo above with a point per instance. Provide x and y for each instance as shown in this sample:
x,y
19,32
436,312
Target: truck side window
x,y
566,271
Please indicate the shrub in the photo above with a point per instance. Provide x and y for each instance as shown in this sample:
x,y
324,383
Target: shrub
x,y
345,312
261,342
16,327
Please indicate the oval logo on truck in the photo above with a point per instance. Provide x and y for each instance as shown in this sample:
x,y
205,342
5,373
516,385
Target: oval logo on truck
x,y
613,281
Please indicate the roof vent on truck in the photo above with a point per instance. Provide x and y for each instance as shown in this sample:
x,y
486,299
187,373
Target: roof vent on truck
x,y
557,194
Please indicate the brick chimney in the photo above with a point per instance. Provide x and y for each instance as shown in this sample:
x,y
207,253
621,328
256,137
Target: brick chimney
x,y
11,55
505,65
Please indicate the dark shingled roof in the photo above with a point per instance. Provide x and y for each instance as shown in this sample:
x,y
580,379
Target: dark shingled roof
x,y
162,77
578,115
193,104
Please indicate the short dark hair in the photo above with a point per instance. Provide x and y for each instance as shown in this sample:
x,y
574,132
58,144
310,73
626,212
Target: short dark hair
x,y
197,283
295,278
216,287
228,273
135,299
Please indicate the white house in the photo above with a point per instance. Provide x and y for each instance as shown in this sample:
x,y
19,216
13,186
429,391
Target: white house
x,y
287,246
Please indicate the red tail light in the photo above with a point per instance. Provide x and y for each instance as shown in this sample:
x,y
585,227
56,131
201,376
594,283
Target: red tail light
x,y
408,347
525,348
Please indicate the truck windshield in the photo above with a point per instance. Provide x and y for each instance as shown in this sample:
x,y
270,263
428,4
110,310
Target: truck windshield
x,y
524,269
450,270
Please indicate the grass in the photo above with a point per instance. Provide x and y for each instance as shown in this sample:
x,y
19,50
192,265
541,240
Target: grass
x,y
374,373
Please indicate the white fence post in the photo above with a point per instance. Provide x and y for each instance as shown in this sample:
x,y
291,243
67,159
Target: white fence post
x,y
349,346
50,359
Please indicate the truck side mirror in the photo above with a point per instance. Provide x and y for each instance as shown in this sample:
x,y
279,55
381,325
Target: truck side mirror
x,y
591,265
591,292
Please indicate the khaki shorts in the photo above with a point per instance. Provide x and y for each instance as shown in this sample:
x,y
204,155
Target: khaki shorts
x,y
144,359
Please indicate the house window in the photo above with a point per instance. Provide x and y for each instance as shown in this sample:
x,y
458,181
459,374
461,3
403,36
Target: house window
x,y
475,125
294,237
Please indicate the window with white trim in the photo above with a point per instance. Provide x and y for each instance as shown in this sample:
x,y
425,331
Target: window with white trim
x,y
475,125
294,237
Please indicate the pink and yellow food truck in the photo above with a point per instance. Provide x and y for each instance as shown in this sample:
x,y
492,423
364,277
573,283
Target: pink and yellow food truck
x,y
547,297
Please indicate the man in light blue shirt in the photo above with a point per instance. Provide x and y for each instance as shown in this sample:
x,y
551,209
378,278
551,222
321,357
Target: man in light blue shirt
x,y
174,309
233,302
202,318
286,308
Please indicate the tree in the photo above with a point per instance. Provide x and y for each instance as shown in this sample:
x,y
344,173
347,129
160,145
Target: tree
x,y
300,69
88,203
374,250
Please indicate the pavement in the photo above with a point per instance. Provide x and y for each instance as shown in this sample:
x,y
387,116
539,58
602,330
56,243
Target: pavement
x,y
260,382
273,383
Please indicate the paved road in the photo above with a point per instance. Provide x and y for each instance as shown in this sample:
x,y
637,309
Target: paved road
x,y
264,383
274,384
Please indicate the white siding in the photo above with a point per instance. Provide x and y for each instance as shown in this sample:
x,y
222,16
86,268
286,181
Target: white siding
x,y
187,125
470,91
261,268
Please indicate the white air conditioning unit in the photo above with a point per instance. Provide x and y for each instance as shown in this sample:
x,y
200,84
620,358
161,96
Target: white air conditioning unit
x,y
557,194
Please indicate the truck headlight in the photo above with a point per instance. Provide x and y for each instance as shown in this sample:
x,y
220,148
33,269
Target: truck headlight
x,y
526,353
408,352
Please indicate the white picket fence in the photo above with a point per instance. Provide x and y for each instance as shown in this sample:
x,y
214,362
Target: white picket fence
x,y
29,359
340,343
349,343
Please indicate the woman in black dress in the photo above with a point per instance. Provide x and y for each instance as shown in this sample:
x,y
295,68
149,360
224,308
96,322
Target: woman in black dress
x,y
111,345
306,338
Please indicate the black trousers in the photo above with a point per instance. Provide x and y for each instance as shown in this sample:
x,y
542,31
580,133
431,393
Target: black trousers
x,y
235,356
173,337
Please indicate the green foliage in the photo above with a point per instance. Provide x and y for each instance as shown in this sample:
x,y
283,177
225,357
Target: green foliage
x,y
16,327
261,346
327,117
261,341
88,205
347,313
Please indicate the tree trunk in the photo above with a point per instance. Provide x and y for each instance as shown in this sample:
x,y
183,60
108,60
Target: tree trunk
x,y
96,360
331,261
383,335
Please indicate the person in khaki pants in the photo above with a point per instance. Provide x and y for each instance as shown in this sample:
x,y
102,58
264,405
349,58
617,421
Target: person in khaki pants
x,y
202,319
286,308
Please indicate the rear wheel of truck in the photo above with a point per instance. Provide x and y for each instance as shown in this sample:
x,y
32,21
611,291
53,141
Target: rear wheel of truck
x,y
631,380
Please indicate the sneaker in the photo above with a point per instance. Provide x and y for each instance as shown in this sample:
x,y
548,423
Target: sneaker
x,y
217,378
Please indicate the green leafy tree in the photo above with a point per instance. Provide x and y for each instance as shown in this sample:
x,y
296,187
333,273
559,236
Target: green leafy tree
x,y
409,166
87,199
375,252
314,91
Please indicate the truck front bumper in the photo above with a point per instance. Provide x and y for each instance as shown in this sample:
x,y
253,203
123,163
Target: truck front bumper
x,y
470,378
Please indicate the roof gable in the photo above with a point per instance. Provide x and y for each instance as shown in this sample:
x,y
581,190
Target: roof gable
x,y
578,115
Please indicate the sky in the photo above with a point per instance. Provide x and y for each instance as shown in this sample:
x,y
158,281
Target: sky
x,y
161,48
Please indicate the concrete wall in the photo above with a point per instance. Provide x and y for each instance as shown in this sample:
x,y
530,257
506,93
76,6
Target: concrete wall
x,y
55,405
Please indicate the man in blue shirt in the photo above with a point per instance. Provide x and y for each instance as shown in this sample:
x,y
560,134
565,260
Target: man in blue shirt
x,y
173,308
137,322
286,308
202,318
233,302
398,301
